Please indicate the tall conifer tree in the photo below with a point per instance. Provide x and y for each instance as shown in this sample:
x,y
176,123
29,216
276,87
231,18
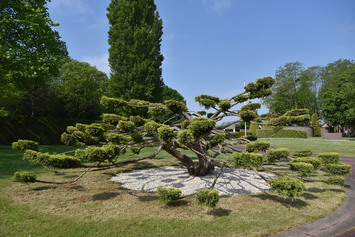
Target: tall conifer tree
x,y
134,55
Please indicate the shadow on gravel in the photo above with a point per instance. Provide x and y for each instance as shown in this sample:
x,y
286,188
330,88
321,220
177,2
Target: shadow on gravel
x,y
104,196
287,202
219,212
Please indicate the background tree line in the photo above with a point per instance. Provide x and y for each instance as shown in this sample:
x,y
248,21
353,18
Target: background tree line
x,y
38,78
327,91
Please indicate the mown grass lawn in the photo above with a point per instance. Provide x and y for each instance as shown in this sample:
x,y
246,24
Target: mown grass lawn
x,y
94,206
345,147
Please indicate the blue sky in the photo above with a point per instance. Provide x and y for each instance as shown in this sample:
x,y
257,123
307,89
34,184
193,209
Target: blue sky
x,y
212,46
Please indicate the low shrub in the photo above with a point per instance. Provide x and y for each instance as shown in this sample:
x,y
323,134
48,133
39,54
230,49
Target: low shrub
x,y
276,154
303,169
94,130
100,154
257,146
23,145
168,194
126,126
247,160
24,177
137,137
251,137
336,180
337,169
237,134
135,150
302,153
207,198
265,133
316,162
57,161
329,158
288,187
137,120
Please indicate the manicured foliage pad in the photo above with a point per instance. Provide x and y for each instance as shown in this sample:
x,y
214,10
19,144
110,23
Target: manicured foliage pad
x,y
257,146
207,198
168,194
288,187
276,154
23,145
247,160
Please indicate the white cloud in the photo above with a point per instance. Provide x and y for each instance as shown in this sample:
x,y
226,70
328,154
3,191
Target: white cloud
x,y
101,62
218,5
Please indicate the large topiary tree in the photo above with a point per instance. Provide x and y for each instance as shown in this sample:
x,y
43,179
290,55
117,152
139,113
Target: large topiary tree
x,y
137,126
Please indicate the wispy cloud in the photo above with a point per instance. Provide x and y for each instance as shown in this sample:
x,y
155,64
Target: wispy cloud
x,y
218,6
101,62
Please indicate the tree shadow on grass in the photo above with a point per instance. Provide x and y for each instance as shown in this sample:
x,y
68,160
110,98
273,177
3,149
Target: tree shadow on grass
x,y
219,212
309,196
177,203
315,190
145,197
104,196
287,202
43,188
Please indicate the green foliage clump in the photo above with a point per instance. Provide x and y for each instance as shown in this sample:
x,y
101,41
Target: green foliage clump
x,y
315,125
237,134
166,134
207,101
100,154
303,169
81,127
24,177
126,126
241,98
216,139
109,103
185,136
58,161
247,160
276,154
266,133
135,150
288,187
257,146
112,118
176,107
335,180
201,126
247,115
70,140
225,105
207,198
137,137
261,88
151,127
297,112
94,130
316,162
250,137
137,120
156,111
329,158
71,129
185,124
209,115
202,112
337,169
251,106
253,128
302,153
167,195
23,145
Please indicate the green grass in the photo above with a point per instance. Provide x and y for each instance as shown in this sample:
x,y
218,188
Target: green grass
x,y
95,206
316,145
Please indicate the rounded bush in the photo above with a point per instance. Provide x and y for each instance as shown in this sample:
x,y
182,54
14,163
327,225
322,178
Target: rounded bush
x,y
24,177
316,162
336,180
126,126
166,134
329,158
247,160
302,153
207,198
288,187
303,169
276,154
337,169
168,194
23,145
257,146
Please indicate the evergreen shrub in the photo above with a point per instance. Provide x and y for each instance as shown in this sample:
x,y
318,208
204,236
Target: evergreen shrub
x,y
24,177
247,160
329,157
276,154
302,153
336,180
266,133
337,169
303,169
316,162
251,137
207,198
168,194
288,187
23,145
257,146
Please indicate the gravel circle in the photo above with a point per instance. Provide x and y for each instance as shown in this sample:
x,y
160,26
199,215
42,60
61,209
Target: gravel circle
x,y
232,181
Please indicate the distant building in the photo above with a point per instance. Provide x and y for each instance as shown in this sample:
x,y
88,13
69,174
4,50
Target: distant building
x,y
233,128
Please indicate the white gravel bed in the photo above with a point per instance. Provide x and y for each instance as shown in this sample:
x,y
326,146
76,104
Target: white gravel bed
x,y
232,181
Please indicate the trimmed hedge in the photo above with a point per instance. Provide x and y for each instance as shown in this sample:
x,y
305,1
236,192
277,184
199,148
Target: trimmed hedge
x,y
24,177
168,194
336,180
329,157
23,145
207,198
302,153
316,162
276,154
288,187
257,146
265,133
337,169
247,160
303,169
57,161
